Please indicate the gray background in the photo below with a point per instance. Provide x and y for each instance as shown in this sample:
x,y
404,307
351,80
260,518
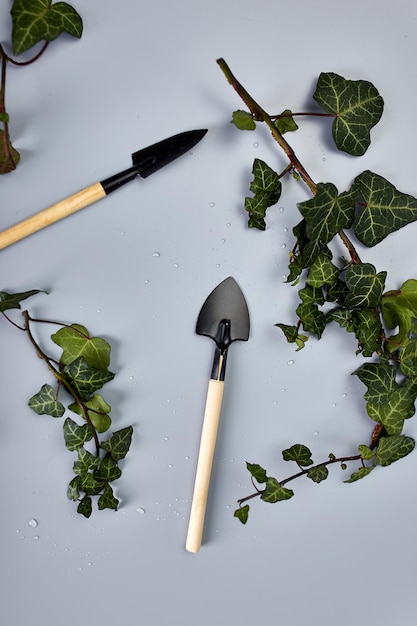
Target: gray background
x,y
143,71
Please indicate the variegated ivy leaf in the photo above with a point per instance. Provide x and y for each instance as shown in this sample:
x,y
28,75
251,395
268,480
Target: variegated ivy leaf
x,y
40,20
273,492
380,379
75,435
298,453
85,379
385,209
359,474
318,473
357,107
76,342
46,403
322,272
107,499
400,406
119,443
365,286
391,449
266,188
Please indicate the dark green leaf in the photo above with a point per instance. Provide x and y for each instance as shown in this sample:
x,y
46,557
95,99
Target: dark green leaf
x,y
266,188
368,330
318,473
76,436
86,461
91,484
313,320
391,449
360,473
357,107
108,470
119,443
298,453
243,120
273,492
391,414
73,491
9,156
98,412
257,472
107,500
408,362
285,122
85,507
322,272
242,513
39,20
366,452
84,378
380,380
13,300
76,342
293,336
385,208
311,295
399,308
365,285
45,403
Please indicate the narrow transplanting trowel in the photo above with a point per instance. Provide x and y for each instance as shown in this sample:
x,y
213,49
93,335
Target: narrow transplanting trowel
x,y
224,317
145,162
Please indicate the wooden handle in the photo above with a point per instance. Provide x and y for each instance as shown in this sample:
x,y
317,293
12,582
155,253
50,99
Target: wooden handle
x,y
52,214
204,464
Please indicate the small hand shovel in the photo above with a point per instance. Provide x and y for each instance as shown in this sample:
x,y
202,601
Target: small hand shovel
x,y
224,317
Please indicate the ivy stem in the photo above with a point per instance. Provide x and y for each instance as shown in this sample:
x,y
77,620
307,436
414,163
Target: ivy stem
x,y
61,379
8,157
342,459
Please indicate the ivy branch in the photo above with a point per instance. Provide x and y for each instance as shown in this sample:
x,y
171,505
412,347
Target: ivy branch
x,y
81,371
351,293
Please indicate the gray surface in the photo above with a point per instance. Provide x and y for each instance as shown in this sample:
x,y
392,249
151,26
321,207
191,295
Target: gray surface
x,y
143,71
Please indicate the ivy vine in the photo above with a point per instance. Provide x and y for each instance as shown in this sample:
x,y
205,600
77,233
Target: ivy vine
x,y
348,292
79,372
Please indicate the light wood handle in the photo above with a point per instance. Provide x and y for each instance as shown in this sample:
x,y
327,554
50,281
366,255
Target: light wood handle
x,y
204,464
52,214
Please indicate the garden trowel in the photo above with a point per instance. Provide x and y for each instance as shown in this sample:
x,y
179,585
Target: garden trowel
x,y
145,162
224,318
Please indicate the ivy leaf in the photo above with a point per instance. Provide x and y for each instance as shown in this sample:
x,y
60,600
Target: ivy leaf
x,y
380,380
360,473
85,507
368,330
298,453
366,452
357,107
328,212
285,122
313,320
119,443
91,484
45,403
108,470
267,189
322,272
242,513
391,449
86,462
76,436
73,491
408,361
273,492
98,412
385,208
257,472
399,407
107,500
243,120
399,308
293,336
76,342
9,156
365,286
85,379
39,20
318,473
13,300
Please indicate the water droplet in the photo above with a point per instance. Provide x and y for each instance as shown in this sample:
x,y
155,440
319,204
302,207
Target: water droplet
x,y
324,158
344,395
166,439
281,209
156,255
256,144
217,264
283,245
228,225
290,362
222,240
99,311
316,432
36,537
147,282
170,465
212,204
131,378
285,230
140,510
187,458
176,264
33,523
334,404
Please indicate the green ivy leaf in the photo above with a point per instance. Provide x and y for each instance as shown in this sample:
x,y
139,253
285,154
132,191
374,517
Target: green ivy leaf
x,y
85,507
267,189
257,472
408,361
107,500
76,342
399,308
9,156
366,452
119,443
312,319
298,453
76,436
242,513
243,120
73,491
90,483
85,379
385,208
108,469
391,449
368,330
273,492
365,286
399,407
357,107
318,473
328,212
292,335
322,272
380,380
98,412
285,122
359,474
13,300
86,462
45,403
39,20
